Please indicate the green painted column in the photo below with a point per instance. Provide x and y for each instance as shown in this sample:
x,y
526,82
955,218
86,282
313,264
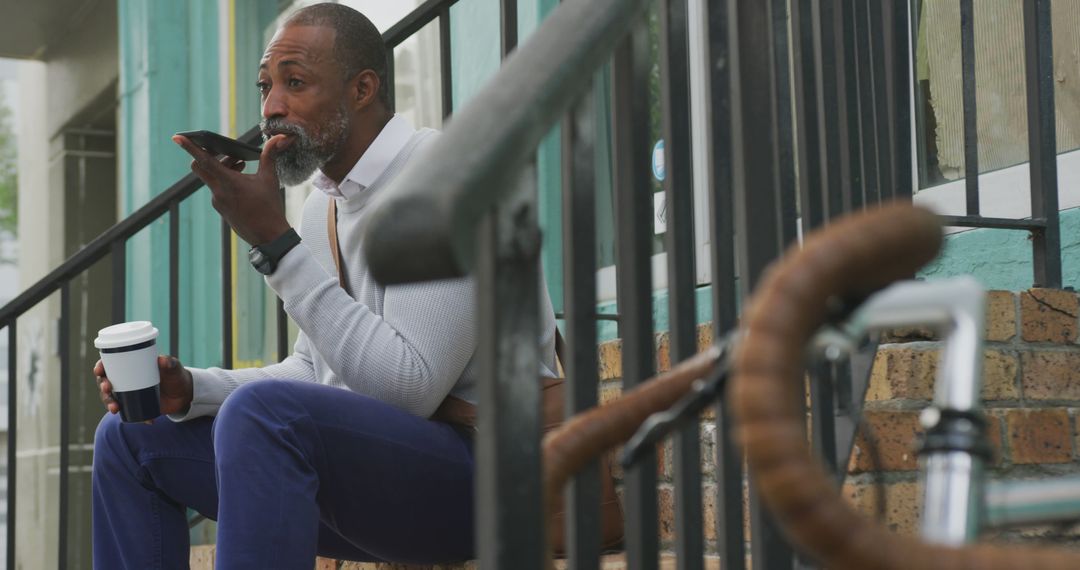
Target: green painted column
x,y
255,303
475,45
169,82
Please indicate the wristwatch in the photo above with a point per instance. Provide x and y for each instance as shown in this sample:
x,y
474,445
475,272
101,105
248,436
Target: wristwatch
x,y
265,257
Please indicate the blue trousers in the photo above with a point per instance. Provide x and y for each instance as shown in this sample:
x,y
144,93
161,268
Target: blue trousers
x,y
289,470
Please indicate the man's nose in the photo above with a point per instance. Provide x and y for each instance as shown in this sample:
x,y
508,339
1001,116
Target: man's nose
x,y
274,106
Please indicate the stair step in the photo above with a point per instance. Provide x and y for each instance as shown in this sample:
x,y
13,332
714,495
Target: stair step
x,y
202,558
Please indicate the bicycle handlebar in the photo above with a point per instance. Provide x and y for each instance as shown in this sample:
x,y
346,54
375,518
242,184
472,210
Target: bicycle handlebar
x,y
851,258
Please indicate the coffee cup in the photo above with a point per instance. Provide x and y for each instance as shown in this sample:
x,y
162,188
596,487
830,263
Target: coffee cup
x,y
129,353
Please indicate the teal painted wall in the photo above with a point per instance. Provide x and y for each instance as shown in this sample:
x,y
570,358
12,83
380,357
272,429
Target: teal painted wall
x,y
255,302
475,55
1001,259
168,83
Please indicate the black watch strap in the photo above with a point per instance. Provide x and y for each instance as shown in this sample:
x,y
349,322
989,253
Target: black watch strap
x,y
265,257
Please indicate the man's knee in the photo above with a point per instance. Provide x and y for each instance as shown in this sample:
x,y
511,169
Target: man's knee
x,y
108,439
253,398
250,413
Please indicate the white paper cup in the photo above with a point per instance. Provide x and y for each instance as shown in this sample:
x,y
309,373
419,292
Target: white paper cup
x,y
129,353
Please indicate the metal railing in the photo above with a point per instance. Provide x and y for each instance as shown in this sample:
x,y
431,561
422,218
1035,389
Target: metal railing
x,y
844,66
112,244
808,117
1043,225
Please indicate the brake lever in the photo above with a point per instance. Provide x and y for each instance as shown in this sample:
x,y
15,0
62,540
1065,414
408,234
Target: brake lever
x,y
656,427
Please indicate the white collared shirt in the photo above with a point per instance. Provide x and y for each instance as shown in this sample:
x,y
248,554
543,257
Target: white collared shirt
x,y
372,163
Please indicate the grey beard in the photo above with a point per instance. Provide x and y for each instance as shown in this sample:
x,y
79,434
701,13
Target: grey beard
x,y
299,161
296,164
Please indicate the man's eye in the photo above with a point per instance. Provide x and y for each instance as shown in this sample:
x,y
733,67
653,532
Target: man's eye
x,y
262,86
295,82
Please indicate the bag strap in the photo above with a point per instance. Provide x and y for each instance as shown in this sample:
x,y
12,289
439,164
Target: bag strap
x,y
453,409
331,233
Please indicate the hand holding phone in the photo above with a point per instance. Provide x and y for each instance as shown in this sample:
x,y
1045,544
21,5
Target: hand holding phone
x,y
223,145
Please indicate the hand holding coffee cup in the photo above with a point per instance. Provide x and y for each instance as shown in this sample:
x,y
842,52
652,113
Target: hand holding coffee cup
x,y
140,385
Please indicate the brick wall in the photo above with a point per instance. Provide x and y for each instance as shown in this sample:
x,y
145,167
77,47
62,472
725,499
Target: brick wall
x,y
1031,393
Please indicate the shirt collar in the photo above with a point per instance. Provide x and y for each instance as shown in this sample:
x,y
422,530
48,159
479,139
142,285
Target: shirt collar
x,y
386,146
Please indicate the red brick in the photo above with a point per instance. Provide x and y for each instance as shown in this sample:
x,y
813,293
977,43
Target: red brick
x,y
895,434
663,352
201,557
1076,432
1051,375
1039,436
1000,316
1048,315
993,435
902,503
999,376
908,334
610,357
610,391
666,501
903,372
704,336
667,562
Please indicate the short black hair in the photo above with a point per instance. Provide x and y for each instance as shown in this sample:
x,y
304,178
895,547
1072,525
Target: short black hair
x,y
358,45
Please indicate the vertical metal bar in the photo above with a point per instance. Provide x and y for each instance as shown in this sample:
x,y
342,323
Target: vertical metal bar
x,y
633,218
729,467
901,93
758,231
785,131
882,109
679,241
281,317
850,84
390,78
174,278
1042,140
833,101
226,296
282,330
579,302
12,437
910,42
65,421
823,407
119,281
867,102
968,78
805,77
508,25
508,499
446,71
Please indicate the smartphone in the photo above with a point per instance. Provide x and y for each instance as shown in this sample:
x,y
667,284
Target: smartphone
x,y
220,144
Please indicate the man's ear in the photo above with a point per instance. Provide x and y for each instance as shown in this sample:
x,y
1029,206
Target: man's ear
x,y
365,89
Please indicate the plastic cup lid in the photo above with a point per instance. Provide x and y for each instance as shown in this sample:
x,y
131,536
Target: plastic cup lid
x,y
125,334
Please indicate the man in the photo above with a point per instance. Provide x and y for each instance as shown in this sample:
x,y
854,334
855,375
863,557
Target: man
x,y
330,451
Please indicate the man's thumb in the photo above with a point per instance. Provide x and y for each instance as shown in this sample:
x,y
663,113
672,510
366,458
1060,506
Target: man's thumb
x,y
269,154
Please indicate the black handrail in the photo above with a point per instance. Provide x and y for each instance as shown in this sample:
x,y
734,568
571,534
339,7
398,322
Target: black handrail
x,y
101,245
423,227
112,242
94,251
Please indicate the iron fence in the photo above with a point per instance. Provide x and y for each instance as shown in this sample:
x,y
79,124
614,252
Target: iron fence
x,y
807,117
112,244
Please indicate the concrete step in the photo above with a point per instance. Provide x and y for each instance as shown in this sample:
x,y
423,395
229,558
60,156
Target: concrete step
x,y
202,558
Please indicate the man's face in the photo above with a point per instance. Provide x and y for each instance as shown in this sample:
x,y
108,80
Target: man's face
x,y
304,97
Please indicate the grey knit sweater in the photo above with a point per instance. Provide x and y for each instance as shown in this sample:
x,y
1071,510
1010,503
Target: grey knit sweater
x,y
406,345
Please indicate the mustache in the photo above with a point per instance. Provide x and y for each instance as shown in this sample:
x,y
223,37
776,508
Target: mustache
x,y
271,127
